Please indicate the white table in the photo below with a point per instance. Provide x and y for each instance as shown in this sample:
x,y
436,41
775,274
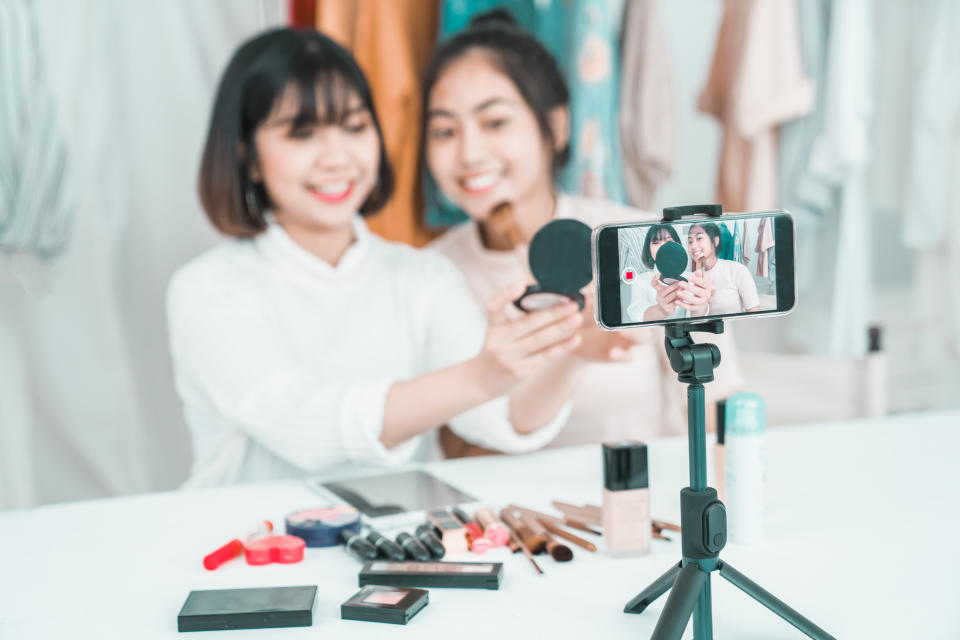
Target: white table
x,y
862,520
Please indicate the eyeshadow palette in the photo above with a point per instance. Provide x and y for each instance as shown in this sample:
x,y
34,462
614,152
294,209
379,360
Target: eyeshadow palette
x,y
458,575
375,603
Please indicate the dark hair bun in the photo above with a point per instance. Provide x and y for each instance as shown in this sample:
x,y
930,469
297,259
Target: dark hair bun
x,y
498,17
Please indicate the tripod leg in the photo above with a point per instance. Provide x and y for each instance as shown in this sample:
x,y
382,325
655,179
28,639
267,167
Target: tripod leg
x,y
683,598
702,614
656,589
773,603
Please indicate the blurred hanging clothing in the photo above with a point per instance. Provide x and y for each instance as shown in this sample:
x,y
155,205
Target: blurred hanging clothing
x,y
592,69
647,103
840,155
931,220
725,250
36,199
392,42
37,204
809,196
764,245
756,83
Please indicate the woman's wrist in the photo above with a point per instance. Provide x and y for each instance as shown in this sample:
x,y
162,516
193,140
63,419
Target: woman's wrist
x,y
485,378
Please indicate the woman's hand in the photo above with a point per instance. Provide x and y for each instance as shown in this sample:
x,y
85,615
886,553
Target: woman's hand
x,y
598,345
667,295
696,293
515,348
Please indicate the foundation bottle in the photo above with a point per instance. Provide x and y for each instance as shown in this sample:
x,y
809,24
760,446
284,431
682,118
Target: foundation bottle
x,y
626,498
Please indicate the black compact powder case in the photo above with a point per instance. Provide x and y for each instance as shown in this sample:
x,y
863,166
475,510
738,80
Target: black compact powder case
x,y
375,603
457,575
264,608
559,259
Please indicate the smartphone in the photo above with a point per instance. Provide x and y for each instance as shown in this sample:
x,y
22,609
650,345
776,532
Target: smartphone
x,y
713,267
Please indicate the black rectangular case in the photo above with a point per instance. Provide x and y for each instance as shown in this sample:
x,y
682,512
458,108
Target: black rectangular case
x,y
261,608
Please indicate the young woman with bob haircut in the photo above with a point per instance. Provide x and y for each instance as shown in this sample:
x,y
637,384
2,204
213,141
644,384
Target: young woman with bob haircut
x,y
304,342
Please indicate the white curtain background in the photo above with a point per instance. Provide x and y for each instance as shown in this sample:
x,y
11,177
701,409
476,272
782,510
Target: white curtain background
x,y
87,404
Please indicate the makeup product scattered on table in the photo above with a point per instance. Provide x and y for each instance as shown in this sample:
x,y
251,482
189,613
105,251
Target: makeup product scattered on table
x,y
660,524
536,544
746,467
719,452
283,549
554,529
460,515
462,575
626,498
588,513
234,548
376,603
412,547
321,527
265,608
476,542
557,550
357,545
452,533
424,533
493,530
386,547
566,522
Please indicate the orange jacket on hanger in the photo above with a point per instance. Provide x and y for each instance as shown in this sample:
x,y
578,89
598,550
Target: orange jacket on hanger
x,y
391,40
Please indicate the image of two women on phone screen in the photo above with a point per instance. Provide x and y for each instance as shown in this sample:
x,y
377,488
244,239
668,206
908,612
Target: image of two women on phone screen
x,y
712,285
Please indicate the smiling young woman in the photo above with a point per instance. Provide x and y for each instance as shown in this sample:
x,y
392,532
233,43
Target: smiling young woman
x,y
496,133
305,341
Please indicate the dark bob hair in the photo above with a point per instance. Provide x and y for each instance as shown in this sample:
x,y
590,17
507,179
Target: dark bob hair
x,y
646,257
520,57
261,70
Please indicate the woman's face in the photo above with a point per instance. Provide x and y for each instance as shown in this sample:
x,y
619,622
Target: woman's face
x,y
317,176
663,237
483,144
700,244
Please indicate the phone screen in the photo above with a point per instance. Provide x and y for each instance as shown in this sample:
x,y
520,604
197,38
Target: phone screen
x,y
662,273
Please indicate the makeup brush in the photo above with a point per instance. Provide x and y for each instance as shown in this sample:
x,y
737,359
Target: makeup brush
x,y
532,541
515,540
588,513
554,529
558,551
567,522
500,228
666,525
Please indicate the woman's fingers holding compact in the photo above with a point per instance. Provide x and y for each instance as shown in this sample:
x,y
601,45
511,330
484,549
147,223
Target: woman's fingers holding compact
x,y
548,334
497,303
557,350
532,322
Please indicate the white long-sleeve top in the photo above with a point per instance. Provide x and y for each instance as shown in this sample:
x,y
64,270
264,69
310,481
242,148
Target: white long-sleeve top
x,y
284,362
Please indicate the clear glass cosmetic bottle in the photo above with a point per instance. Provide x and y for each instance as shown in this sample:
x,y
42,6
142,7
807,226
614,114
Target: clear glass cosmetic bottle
x,y
626,498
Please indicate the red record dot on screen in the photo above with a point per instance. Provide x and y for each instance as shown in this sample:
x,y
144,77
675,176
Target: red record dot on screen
x,y
629,275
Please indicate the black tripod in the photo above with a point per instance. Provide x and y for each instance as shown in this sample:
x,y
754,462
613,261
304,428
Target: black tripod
x,y
703,518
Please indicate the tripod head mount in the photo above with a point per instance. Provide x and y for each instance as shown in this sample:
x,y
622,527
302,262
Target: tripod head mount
x,y
694,363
